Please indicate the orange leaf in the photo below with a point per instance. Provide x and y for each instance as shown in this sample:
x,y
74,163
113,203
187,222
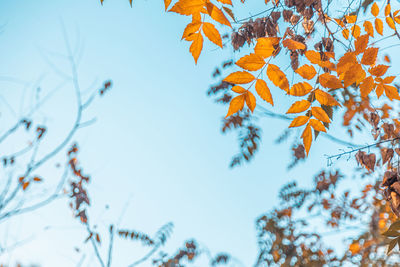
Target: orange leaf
x,y
299,106
293,45
317,125
227,2
167,3
367,86
355,247
325,98
190,29
369,56
300,89
346,33
25,185
347,61
391,92
369,28
379,26
251,62
375,10
306,71
379,90
390,23
197,46
356,31
217,14
313,56
299,121
320,114
378,70
277,77
250,100
307,138
37,179
265,46
387,10
355,74
239,77
229,11
389,79
329,81
212,33
351,19
238,89
386,58
263,91
237,103
361,44
188,7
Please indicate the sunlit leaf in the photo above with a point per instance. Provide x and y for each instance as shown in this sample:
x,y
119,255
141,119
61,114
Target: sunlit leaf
x,y
299,121
329,81
239,77
325,98
263,91
320,114
251,62
250,100
307,138
306,71
299,106
293,45
369,57
300,89
277,77
237,103
375,10
265,46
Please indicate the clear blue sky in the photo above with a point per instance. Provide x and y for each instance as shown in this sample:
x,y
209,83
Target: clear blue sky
x,y
156,145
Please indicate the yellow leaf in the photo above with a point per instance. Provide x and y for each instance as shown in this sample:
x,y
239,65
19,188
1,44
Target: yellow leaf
x,y
397,19
299,106
263,91
265,46
217,14
387,10
190,29
293,45
369,29
375,10
166,4
345,33
307,138
212,33
277,77
320,114
237,103
299,121
197,46
356,31
391,92
390,23
379,26
306,71
367,86
238,89
325,98
251,62
317,125
300,89
379,70
239,77
329,81
361,44
250,100
369,56
188,7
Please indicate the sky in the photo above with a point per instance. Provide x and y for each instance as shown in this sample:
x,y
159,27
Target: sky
x,y
155,153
